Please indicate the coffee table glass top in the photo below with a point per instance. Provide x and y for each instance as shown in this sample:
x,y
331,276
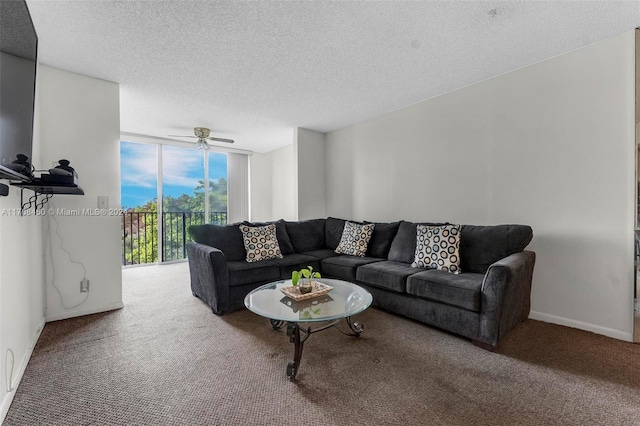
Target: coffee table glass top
x,y
345,300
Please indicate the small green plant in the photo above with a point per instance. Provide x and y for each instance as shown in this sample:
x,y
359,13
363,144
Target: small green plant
x,y
307,272
310,313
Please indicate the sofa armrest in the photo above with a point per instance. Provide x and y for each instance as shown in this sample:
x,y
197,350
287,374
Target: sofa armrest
x,y
209,276
506,296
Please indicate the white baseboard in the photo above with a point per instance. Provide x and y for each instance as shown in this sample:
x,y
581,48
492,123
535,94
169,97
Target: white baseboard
x,y
609,332
8,398
78,313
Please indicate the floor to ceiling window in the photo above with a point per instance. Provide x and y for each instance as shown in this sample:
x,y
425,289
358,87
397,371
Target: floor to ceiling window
x,y
183,174
139,192
166,189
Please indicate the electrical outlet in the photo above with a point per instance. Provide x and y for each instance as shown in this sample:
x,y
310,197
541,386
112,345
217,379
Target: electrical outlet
x,y
84,285
103,202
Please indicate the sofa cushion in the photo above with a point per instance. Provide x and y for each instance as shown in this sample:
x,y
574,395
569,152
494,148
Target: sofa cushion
x,y
460,290
295,262
380,241
344,266
281,233
260,242
403,247
355,239
242,272
333,232
438,247
306,235
227,239
383,235
322,253
481,246
387,274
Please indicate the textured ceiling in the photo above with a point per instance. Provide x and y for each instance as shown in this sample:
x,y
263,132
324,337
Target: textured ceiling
x,y
253,71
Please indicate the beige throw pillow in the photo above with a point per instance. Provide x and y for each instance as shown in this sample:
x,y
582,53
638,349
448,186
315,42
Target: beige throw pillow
x,y
438,247
355,239
260,242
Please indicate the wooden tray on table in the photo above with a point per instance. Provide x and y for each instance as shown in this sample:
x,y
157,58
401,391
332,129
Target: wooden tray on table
x,y
318,289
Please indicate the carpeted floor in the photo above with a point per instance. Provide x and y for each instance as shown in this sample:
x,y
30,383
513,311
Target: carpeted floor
x,y
636,316
165,359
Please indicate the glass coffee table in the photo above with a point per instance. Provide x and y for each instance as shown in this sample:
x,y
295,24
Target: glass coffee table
x,y
339,305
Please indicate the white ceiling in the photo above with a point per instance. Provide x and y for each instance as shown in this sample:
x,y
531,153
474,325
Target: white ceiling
x,y
254,70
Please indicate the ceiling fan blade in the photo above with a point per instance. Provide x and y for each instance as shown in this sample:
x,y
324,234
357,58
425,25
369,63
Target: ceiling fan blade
x,y
181,136
221,140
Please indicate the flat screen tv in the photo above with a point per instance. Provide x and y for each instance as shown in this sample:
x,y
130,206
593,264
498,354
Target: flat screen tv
x,y
18,59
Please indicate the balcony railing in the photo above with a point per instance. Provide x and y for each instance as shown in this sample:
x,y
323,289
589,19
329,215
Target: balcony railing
x,y
140,234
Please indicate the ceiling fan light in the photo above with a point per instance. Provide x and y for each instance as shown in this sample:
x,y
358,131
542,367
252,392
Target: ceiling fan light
x,y
202,145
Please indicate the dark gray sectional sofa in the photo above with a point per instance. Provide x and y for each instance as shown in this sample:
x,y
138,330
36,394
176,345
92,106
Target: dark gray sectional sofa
x,y
483,303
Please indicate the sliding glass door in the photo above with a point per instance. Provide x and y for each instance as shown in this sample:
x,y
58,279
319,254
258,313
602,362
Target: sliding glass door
x,y
190,188
139,192
182,197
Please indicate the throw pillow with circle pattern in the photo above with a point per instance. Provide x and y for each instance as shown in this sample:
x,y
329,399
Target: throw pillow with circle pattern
x,y
260,242
355,239
438,247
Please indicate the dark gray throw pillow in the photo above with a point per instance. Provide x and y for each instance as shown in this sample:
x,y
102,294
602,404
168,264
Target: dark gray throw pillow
x,y
481,246
306,235
333,229
227,239
281,234
383,235
403,247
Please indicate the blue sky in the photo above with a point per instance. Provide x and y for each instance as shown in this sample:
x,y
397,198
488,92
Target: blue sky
x,y
182,169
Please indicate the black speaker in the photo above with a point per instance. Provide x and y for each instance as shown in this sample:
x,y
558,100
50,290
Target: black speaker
x,y
4,190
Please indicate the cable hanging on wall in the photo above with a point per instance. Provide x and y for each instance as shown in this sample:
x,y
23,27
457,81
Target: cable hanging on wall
x,y
53,269
9,372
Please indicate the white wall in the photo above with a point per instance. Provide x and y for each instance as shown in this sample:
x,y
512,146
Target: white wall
x,y
284,184
260,189
309,148
289,183
425,162
22,289
21,292
273,190
550,145
80,122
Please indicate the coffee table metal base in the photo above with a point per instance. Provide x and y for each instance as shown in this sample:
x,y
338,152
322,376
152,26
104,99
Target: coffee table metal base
x,y
298,335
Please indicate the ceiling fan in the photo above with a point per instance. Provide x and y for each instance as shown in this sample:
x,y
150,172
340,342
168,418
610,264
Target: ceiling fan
x,y
202,134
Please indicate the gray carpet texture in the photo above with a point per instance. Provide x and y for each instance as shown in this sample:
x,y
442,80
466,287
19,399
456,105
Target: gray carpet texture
x,y
165,359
